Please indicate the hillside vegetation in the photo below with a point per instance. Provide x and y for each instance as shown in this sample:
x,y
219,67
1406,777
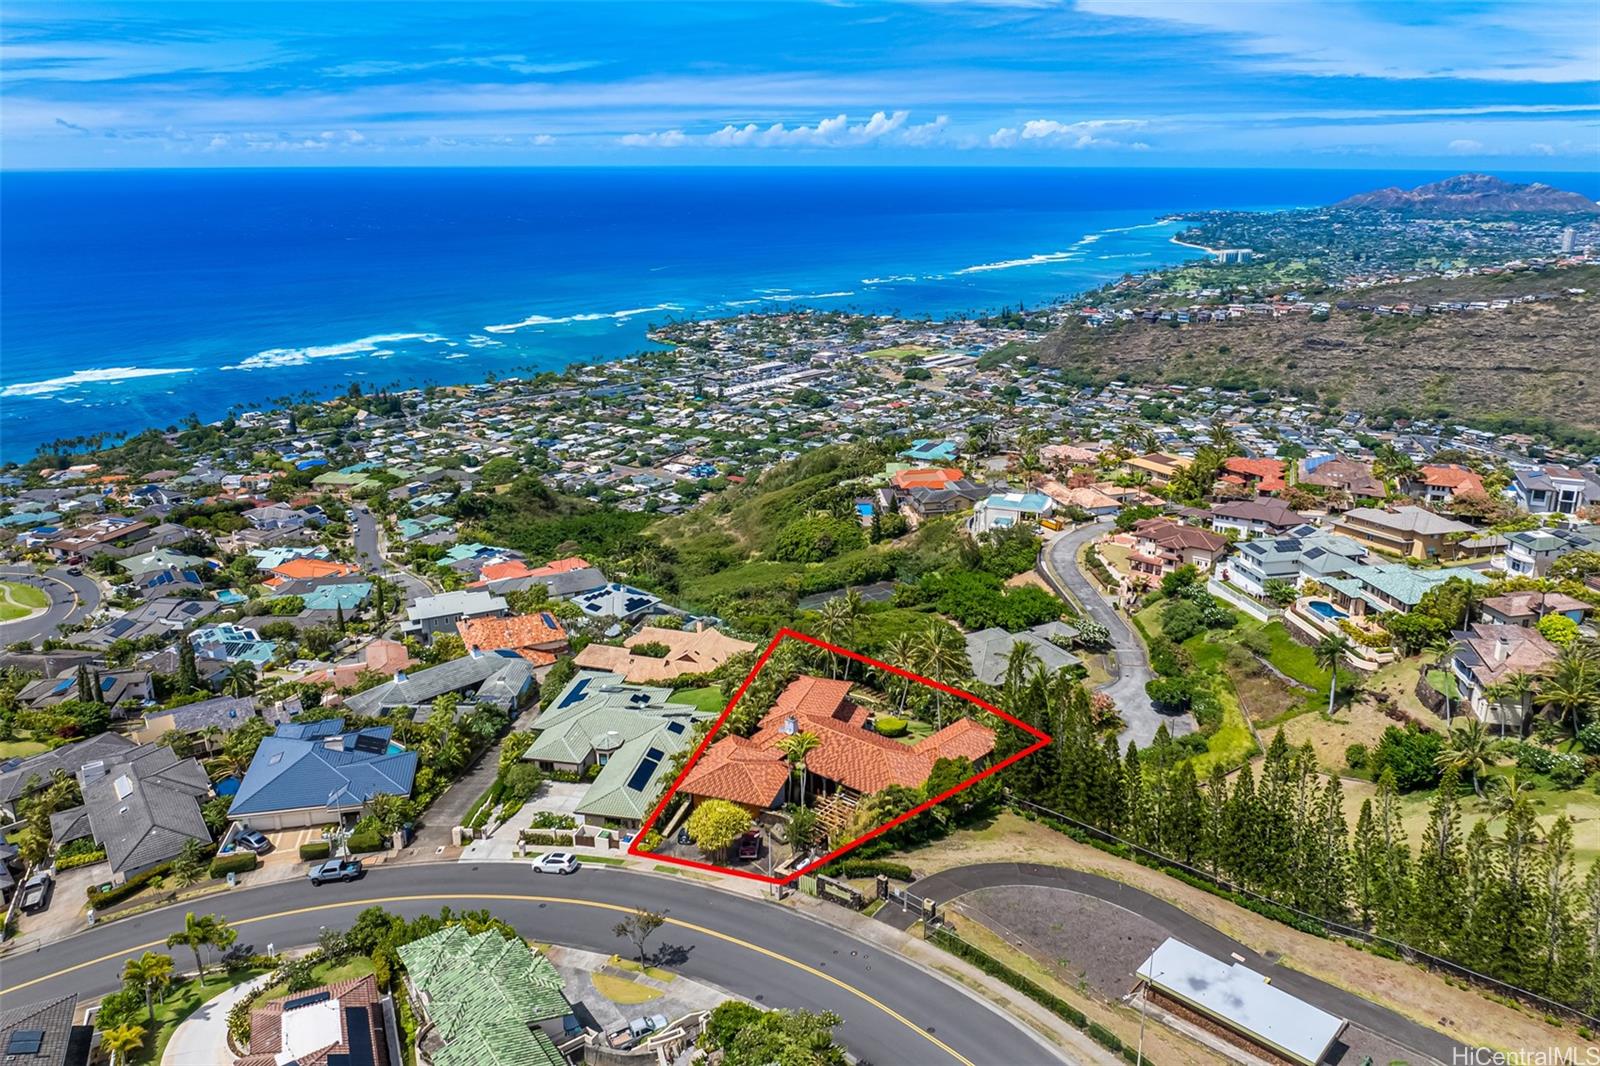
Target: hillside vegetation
x,y
1532,362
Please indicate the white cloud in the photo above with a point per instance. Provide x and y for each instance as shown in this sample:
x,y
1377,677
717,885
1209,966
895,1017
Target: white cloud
x,y
1465,146
663,139
835,132
1045,132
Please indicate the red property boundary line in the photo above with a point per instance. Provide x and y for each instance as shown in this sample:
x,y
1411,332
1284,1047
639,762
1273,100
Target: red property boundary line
x,y
633,848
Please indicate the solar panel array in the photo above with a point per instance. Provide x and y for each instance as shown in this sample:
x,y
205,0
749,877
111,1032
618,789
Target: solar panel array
x,y
646,769
308,1000
25,1042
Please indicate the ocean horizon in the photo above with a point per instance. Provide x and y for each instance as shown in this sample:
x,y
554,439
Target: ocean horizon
x,y
134,299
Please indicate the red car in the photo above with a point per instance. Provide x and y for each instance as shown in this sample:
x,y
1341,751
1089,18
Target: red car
x,y
750,847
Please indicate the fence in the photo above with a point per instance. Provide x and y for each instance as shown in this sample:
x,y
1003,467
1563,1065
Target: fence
x,y
1304,920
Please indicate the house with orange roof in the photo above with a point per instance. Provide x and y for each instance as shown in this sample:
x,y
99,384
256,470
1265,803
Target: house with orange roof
x,y
697,651
851,757
934,477
386,657
306,568
1265,476
538,637
1438,482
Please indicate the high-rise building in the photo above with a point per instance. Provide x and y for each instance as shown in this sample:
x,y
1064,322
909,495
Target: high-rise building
x,y
1567,237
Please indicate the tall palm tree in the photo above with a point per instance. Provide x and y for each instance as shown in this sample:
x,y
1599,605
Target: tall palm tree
x,y
1508,793
1021,661
1573,686
151,971
239,679
1330,652
1468,750
199,931
1514,689
1221,436
796,747
121,1041
944,657
1442,648
901,652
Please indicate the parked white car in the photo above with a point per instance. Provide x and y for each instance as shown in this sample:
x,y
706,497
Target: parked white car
x,y
556,862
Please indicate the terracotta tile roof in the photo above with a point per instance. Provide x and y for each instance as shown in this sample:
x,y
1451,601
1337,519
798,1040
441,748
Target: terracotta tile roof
x,y
1451,476
1270,472
535,637
848,752
1174,535
926,477
387,657
689,652
301,568
560,566
500,571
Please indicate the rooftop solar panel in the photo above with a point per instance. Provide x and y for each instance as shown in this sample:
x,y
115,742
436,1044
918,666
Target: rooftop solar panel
x,y
675,727
645,770
371,745
25,1042
308,1000
577,692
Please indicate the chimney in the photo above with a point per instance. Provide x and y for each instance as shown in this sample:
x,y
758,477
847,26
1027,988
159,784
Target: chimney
x,y
1502,648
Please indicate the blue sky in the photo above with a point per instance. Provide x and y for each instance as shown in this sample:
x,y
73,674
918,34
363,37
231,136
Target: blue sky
x,y
1446,85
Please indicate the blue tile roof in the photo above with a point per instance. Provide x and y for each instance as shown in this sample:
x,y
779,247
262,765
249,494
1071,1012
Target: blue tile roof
x,y
289,774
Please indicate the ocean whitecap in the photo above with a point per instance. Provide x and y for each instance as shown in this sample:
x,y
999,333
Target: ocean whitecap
x,y
373,345
1038,259
590,316
98,376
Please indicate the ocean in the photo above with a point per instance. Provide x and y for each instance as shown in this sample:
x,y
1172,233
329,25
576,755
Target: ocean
x,y
133,299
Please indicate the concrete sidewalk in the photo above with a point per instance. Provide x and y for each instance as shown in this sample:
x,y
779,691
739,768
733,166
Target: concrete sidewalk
x,y
202,1039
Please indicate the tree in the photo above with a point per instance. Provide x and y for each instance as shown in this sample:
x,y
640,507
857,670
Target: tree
x,y
120,1041
190,864
1573,687
1468,750
187,679
1330,652
944,656
795,748
786,1037
150,973
239,679
715,824
1558,629
199,932
638,928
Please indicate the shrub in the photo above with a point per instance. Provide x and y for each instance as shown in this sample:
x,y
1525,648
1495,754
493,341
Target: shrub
x,y
1356,756
1412,754
651,649
1589,737
118,893
361,843
235,862
315,849
650,841
890,726
81,858
899,871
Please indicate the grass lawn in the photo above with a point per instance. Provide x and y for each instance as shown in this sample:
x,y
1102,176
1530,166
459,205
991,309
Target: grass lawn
x,y
1233,743
324,973
16,749
1294,659
649,971
621,991
898,351
18,600
603,860
706,698
182,1000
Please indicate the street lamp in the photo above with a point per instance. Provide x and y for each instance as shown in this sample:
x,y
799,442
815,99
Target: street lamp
x,y
1143,1010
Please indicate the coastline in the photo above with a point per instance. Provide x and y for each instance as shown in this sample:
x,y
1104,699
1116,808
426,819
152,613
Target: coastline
x,y
1198,247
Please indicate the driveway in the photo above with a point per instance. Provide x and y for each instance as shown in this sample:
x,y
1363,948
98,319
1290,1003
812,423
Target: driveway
x,y
202,1039
1130,664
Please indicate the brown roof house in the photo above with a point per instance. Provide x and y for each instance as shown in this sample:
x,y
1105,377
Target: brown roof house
x,y
1489,657
1527,608
1159,466
697,651
1410,531
1337,472
1161,546
348,1023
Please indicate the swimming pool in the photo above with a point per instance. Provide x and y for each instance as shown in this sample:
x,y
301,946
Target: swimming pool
x,y
1326,610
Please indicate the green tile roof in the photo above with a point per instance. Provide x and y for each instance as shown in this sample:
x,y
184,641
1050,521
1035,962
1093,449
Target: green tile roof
x,y
483,994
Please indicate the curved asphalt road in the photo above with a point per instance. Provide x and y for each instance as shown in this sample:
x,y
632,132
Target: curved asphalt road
x,y
369,554
1132,662
72,597
894,1012
951,884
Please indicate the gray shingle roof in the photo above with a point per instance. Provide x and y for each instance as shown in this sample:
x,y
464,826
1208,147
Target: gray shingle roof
x,y
61,1042
144,807
495,675
988,648
67,758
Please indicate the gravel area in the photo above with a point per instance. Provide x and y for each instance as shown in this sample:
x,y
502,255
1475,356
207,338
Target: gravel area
x,y
1085,939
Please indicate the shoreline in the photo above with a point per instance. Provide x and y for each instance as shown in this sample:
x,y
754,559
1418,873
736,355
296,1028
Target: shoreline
x,y
1198,247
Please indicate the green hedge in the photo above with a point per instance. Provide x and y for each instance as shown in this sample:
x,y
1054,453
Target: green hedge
x,y
236,862
1040,995
899,871
361,843
315,849
82,858
890,726
117,893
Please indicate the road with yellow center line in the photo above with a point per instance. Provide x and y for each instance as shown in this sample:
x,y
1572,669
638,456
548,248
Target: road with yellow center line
x,y
893,1011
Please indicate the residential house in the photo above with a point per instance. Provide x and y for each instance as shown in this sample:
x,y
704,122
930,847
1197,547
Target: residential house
x,y
1485,657
1410,531
20,778
205,723
851,757
122,691
563,578
1089,499
1530,552
42,1034
953,498
926,477
98,537
1553,489
142,806
1302,554
1336,473
689,651
1157,466
163,567
161,617
306,568
276,516
1004,510
487,998
314,774
384,657
630,731
1261,476
538,638
432,615
988,650
931,452
622,603
1438,482
1162,545
1527,608
1365,589
226,642
1255,518
501,679
347,1023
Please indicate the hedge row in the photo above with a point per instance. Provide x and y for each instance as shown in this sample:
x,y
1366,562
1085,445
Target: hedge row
x,y
1042,996
82,858
235,862
361,843
315,849
898,871
117,893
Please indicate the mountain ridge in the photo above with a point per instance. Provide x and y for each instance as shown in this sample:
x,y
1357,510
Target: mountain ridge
x,y
1475,194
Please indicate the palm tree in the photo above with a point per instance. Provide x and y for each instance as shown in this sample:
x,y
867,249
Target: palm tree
x,y
944,656
239,679
1573,686
121,1041
1330,652
1442,648
836,624
1221,436
795,748
1021,661
151,972
198,931
1469,750
1514,689
1507,794
902,652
